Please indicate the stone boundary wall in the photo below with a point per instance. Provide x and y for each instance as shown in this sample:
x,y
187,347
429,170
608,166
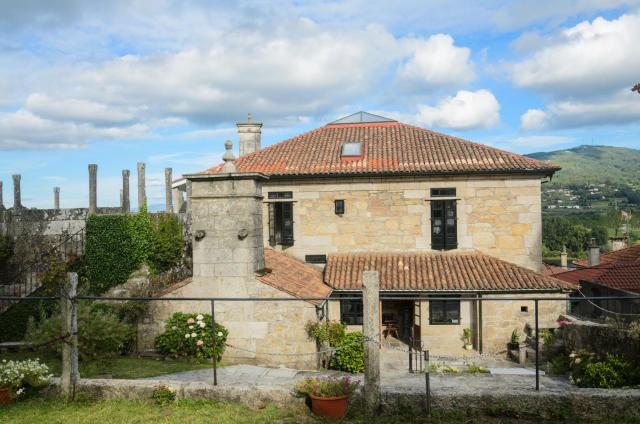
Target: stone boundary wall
x,y
588,404
600,339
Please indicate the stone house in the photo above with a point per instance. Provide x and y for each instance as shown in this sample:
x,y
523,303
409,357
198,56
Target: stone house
x,y
434,214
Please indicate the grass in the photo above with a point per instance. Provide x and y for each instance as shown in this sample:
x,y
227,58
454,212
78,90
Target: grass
x,y
123,411
53,411
120,367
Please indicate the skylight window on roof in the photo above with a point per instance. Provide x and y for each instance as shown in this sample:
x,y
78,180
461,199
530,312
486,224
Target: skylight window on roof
x,y
352,149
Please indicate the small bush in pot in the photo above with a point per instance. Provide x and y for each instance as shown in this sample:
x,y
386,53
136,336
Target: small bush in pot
x,y
329,395
466,338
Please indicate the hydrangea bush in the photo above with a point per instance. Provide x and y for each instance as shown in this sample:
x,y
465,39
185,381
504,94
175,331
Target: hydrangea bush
x,y
191,335
20,377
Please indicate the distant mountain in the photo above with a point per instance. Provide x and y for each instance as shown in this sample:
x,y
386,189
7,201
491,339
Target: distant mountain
x,y
595,165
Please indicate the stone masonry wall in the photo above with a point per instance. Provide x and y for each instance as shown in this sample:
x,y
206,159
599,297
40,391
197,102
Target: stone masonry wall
x,y
500,216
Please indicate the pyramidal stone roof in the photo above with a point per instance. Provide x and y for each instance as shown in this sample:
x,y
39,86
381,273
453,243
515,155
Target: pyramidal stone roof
x,y
388,148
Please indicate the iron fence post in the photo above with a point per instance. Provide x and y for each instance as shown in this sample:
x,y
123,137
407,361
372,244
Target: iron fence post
x,y
427,382
537,349
214,338
410,356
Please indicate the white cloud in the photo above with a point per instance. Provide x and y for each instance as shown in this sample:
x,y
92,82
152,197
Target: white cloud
x,y
76,110
587,59
534,119
620,108
466,110
24,130
436,62
534,142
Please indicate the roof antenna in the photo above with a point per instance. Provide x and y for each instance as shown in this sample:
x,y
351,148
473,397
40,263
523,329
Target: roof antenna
x,y
228,158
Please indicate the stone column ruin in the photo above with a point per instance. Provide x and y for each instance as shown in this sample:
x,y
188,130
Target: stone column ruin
x,y
126,201
56,198
168,181
142,196
93,188
17,202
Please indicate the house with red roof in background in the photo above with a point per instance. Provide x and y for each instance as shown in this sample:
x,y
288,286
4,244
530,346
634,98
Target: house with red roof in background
x,y
612,274
437,216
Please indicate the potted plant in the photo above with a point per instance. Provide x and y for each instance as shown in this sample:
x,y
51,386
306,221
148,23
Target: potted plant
x,y
466,338
329,395
19,377
514,344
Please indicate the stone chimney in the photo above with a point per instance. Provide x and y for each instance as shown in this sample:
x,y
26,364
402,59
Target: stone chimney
x,y
618,243
563,258
594,253
249,136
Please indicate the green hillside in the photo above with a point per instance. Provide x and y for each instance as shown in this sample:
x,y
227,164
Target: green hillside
x,y
595,165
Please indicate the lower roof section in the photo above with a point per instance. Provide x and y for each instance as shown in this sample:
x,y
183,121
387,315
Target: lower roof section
x,y
468,271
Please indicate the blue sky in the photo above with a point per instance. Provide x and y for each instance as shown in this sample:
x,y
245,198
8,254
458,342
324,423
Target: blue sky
x,y
163,82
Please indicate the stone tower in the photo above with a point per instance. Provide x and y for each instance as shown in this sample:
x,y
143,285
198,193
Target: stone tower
x,y
249,134
226,221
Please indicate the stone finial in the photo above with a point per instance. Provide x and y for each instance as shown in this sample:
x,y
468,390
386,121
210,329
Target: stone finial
x,y
563,258
168,183
125,202
249,118
228,158
1,199
142,194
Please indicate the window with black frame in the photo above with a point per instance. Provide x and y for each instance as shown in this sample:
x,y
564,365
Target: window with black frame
x,y
444,221
444,311
351,312
281,219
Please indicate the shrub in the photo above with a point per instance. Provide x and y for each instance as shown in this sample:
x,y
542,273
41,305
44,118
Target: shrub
x,y
326,387
559,364
349,355
190,335
474,368
589,371
164,395
330,333
167,244
21,377
101,333
6,249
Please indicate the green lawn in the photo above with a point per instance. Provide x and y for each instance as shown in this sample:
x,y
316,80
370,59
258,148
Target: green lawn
x,y
52,411
120,367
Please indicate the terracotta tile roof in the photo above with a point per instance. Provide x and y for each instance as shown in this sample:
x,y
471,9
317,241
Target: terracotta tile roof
x,y
436,271
629,254
548,269
621,276
293,277
389,148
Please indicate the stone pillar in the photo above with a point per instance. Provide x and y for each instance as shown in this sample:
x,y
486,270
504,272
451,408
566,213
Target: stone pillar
x,y
226,221
69,332
93,188
126,202
563,258
249,134
371,330
17,202
168,182
56,198
1,199
594,253
142,196
178,201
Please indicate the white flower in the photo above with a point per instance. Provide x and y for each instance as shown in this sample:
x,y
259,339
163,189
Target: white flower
x,y
219,333
20,391
190,321
174,328
200,317
186,336
199,342
194,335
202,324
578,360
191,327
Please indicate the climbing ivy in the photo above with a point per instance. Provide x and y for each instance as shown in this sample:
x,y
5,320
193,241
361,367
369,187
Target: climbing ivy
x,y
117,245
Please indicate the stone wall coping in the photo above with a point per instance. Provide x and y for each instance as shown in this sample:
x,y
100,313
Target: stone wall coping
x,y
227,176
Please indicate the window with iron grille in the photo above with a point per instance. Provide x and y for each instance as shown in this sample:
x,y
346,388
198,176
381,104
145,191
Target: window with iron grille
x,y
444,231
443,192
444,311
281,223
351,312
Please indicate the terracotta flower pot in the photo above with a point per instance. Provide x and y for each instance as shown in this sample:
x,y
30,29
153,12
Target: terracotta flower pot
x,y
5,399
332,408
